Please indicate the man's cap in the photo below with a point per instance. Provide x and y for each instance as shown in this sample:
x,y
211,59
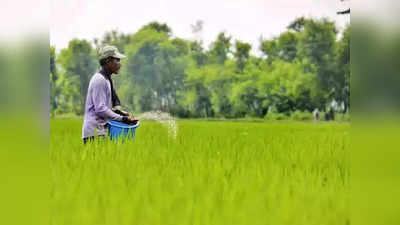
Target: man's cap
x,y
110,51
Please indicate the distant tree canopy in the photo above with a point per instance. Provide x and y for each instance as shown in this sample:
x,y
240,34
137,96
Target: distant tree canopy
x,y
77,64
305,67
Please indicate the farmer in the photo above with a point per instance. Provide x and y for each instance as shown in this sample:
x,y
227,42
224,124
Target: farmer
x,y
102,102
316,114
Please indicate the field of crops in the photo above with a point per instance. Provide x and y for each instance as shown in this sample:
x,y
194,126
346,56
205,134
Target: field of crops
x,y
211,173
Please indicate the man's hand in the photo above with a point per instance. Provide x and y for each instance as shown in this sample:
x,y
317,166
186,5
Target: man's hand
x,y
120,112
129,119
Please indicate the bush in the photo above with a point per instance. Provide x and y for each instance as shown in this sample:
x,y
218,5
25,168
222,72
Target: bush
x,y
301,116
275,116
343,117
339,117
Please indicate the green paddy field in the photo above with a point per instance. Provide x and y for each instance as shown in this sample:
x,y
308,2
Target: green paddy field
x,y
211,173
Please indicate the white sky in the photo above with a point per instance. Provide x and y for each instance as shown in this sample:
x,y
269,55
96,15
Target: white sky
x,y
245,20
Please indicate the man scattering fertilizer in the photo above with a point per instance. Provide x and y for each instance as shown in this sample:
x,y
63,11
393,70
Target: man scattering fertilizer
x,y
102,102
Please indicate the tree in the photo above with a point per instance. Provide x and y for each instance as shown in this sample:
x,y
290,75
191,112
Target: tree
x,y
343,65
155,67
115,38
53,78
241,54
245,99
283,47
298,24
220,48
196,49
78,64
54,89
159,27
287,87
303,68
270,48
316,44
210,86
197,53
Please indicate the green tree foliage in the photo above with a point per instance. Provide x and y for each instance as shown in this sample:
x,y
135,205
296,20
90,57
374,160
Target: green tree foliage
x,y
156,67
212,85
287,87
198,54
115,38
220,48
78,64
305,67
54,90
343,66
283,47
298,24
242,54
317,44
159,27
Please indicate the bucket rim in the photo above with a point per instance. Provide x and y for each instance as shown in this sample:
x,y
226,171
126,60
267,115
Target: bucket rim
x,y
111,123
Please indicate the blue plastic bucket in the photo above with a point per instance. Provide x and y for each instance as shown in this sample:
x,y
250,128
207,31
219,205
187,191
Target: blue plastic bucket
x,y
119,130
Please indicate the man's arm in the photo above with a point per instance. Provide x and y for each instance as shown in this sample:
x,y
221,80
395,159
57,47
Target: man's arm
x,y
99,100
117,110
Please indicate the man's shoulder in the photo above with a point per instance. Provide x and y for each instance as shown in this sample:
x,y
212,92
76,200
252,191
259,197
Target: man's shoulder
x,y
98,75
97,79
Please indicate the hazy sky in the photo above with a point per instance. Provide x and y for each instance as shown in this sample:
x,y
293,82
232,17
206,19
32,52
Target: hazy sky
x,y
245,20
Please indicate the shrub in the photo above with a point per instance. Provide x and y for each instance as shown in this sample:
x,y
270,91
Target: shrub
x,y
343,117
301,116
275,116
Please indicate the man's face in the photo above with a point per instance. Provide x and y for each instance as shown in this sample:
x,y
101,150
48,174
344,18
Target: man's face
x,y
114,65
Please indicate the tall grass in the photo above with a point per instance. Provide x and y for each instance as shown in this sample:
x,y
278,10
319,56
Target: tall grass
x,y
211,173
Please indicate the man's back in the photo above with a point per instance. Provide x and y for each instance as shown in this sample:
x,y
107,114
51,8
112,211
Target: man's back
x,y
98,107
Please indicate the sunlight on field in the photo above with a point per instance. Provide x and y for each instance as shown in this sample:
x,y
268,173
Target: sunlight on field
x,y
212,173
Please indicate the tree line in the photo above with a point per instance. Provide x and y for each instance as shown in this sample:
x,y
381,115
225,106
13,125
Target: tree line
x,y
305,67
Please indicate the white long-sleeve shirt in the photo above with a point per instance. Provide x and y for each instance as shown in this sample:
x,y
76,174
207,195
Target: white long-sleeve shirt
x,y
98,107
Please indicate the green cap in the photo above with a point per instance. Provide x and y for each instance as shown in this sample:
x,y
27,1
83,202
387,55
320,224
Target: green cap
x,y
110,51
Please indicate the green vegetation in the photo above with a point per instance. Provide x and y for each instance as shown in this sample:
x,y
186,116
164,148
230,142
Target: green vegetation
x,y
212,173
305,67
